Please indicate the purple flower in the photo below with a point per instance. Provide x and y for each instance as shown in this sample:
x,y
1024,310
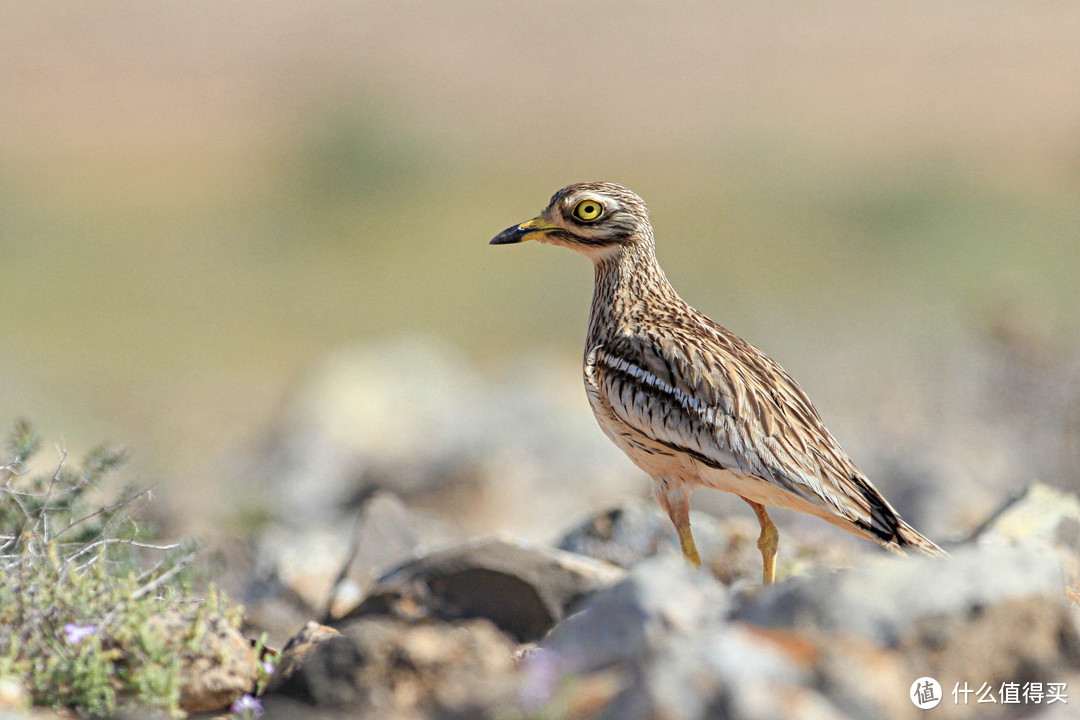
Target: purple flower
x,y
268,667
75,634
247,704
542,671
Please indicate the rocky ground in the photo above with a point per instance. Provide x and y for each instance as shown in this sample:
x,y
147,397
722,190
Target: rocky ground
x,y
488,554
432,590
505,629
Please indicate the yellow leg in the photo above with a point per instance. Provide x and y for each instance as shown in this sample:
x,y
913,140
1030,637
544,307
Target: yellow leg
x,y
686,541
675,499
767,542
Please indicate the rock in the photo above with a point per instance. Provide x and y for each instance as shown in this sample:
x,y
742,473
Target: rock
x,y
296,652
859,677
1040,512
1041,515
393,669
987,615
636,529
323,571
670,642
1023,640
293,576
648,639
523,589
660,596
357,419
887,594
273,607
217,664
386,534
317,666
13,695
659,645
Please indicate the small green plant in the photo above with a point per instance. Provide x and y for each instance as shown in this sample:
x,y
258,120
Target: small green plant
x,y
268,660
80,582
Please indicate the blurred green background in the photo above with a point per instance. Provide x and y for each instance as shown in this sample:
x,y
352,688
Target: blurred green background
x,y
200,199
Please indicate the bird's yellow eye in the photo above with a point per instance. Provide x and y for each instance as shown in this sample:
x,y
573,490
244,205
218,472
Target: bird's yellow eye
x,y
588,210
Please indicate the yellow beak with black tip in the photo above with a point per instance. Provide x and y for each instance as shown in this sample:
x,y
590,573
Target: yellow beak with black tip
x,y
534,229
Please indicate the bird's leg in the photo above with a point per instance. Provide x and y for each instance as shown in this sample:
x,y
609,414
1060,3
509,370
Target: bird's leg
x,y
676,501
767,542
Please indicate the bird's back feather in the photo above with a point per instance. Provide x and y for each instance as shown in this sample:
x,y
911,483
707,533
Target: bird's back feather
x,y
696,388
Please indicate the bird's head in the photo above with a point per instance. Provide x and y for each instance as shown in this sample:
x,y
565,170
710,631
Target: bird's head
x,y
596,218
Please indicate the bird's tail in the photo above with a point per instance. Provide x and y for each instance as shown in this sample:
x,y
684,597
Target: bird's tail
x,y
908,537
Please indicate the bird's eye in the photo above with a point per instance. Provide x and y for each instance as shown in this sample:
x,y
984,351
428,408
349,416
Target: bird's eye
x,y
588,210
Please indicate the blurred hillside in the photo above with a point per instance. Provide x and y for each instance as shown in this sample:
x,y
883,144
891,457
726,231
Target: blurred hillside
x,y
201,200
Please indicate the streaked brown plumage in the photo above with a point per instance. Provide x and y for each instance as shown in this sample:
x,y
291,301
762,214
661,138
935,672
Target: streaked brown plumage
x,y
691,403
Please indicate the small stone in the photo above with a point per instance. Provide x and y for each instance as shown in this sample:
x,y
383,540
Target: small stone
x,y
13,696
218,670
297,651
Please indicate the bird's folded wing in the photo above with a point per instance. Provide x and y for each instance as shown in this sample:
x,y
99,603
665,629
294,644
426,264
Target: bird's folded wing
x,y
720,400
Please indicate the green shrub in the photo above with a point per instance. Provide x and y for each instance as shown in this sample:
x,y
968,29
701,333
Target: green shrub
x,y
80,580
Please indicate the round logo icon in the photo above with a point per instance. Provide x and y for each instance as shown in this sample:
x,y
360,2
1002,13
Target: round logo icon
x,y
925,693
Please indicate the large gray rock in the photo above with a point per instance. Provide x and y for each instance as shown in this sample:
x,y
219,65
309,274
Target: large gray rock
x,y
668,641
657,645
395,670
883,597
524,589
994,614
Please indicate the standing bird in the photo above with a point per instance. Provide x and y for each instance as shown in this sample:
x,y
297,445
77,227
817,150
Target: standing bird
x,y
691,403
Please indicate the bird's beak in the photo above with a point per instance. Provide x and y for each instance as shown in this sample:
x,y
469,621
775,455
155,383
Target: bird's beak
x,y
534,229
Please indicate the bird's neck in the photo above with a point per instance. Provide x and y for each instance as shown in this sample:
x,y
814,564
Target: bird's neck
x,y
627,281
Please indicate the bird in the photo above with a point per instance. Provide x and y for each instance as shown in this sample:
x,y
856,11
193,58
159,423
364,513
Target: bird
x,y
691,403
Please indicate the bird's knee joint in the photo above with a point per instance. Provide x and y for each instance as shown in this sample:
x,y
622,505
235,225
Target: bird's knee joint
x,y
769,539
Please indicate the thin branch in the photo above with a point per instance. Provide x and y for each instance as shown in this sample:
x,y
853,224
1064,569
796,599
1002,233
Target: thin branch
x,y
52,483
26,517
10,471
976,532
172,572
106,509
152,571
108,618
104,542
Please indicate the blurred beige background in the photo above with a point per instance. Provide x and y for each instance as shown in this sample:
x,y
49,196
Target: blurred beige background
x,y
199,200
